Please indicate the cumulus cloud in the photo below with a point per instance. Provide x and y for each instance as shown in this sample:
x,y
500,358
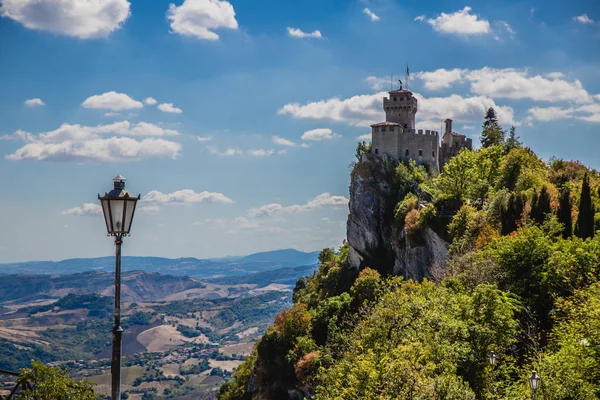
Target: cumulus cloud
x,y
461,22
359,110
78,18
78,143
87,209
319,134
371,14
420,18
34,102
583,19
199,18
508,83
234,225
185,196
322,200
111,101
150,101
440,78
586,112
169,108
364,110
298,33
365,137
203,138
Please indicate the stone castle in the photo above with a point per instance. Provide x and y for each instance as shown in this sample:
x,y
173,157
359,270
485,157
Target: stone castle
x,y
398,138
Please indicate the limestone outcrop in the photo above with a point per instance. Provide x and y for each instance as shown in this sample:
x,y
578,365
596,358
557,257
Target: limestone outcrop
x,y
374,239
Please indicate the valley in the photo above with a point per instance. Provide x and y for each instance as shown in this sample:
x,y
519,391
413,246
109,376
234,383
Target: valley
x,y
183,335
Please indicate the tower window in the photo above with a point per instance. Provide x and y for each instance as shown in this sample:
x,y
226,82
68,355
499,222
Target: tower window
x,y
383,129
406,153
394,98
376,151
433,154
391,129
420,153
405,125
376,129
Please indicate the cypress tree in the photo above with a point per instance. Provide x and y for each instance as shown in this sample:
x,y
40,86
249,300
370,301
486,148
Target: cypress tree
x,y
533,208
491,133
564,213
543,206
584,227
511,213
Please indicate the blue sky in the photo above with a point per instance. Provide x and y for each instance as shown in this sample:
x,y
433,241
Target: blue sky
x,y
237,121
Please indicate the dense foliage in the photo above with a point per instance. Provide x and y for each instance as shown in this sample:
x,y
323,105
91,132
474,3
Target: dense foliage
x,y
52,383
521,279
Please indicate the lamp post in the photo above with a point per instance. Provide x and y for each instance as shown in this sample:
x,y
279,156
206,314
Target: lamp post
x,y
118,208
492,360
534,382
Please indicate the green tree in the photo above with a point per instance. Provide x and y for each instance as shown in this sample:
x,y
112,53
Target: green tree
x,y
564,213
584,227
540,206
513,141
52,383
458,175
491,134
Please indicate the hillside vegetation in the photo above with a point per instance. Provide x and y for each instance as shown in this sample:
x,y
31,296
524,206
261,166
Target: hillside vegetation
x,y
521,278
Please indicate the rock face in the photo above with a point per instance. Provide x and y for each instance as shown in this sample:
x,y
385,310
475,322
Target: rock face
x,y
372,236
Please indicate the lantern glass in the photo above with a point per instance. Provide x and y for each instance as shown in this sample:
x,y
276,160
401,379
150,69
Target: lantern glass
x,y
106,213
492,358
534,381
117,207
129,209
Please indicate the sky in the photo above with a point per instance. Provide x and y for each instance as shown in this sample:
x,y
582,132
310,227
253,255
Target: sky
x,y
237,121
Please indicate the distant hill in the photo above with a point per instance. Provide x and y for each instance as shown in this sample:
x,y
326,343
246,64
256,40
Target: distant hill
x,y
287,256
193,267
284,276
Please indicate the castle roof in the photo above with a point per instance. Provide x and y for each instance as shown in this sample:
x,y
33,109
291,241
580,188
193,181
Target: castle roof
x,y
400,91
386,123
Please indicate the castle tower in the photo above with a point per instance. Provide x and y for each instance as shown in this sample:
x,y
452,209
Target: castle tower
x,y
401,108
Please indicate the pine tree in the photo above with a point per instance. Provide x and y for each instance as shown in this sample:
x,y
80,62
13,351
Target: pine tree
x,y
564,213
584,228
533,208
492,133
513,141
511,214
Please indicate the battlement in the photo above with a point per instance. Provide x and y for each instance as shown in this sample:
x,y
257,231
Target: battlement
x,y
426,132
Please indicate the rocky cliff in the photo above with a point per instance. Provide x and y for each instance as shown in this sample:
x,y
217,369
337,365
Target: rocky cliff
x,y
374,239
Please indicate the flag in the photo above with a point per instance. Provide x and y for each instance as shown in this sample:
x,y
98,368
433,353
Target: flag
x,y
407,73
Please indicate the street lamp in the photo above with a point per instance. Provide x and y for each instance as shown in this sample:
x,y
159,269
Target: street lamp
x,y
492,360
534,382
118,207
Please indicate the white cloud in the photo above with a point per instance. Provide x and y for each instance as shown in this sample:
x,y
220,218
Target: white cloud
x,y
322,200
112,114
79,18
361,110
150,101
297,33
199,18
148,209
583,19
234,225
203,138
282,152
508,83
111,101
79,143
371,14
420,18
261,152
377,83
460,23
587,112
169,108
239,152
284,142
365,137
440,78
185,196
319,134
364,110
504,26
34,102
87,209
